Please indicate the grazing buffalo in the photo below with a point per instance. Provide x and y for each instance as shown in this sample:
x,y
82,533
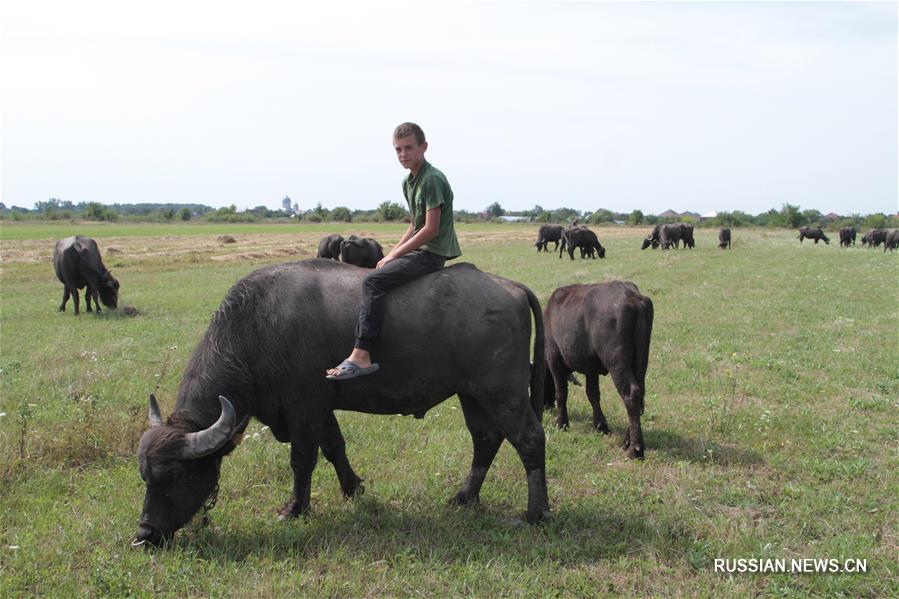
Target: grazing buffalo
x,y
724,239
457,331
874,238
653,238
686,236
599,329
580,237
329,247
847,236
813,233
670,235
892,240
546,234
361,251
78,264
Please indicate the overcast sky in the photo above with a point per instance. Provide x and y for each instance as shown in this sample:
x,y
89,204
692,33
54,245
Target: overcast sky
x,y
689,106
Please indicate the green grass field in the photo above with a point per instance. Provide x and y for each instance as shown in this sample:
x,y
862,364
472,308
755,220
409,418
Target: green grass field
x,y
770,426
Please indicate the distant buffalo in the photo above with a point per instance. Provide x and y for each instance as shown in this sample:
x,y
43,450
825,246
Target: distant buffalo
x,y
847,236
599,329
361,251
813,233
724,239
580,237
892,240
874,237
686,236
329,247
546,234
78,264
653,238
670,235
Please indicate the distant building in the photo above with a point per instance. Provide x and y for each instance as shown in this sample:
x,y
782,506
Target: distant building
x,y
512,219
285,204
831,216
669,214
709,215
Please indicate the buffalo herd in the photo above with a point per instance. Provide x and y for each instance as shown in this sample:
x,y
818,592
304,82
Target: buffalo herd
x,y
280,327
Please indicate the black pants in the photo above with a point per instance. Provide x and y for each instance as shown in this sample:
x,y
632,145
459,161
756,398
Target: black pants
x,y
376,285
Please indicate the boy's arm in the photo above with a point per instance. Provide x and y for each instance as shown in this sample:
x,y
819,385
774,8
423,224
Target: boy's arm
x,y
410,242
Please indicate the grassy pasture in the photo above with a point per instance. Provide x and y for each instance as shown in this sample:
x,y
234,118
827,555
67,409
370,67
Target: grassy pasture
x,y
770,427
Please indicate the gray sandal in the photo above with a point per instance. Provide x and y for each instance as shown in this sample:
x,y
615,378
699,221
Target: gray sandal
x,y
348,370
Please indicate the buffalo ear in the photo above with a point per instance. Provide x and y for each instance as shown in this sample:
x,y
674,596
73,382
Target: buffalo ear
x,y
155,416
205,442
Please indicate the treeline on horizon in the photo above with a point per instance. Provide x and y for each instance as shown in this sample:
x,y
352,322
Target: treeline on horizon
x,y
789,215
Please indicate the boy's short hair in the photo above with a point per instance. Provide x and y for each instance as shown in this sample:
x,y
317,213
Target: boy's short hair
x,y
407,129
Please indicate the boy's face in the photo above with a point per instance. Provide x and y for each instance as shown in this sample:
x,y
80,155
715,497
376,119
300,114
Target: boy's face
x,y
409,152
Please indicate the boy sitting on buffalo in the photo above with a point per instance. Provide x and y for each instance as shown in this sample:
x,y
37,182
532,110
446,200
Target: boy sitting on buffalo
x,y
429,241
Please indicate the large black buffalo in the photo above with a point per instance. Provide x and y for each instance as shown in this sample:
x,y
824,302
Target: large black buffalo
x,y
599,329
361,251
546,234
456,331
847,236
329,247
724,239
874,238
813,233
580,237
78,264
892,240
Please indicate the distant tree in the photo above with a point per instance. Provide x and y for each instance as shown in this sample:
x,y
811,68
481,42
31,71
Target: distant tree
x,y
495,210
321,212
602,216
649,219
875,221
185,213
389,211
536,211
790,216
341,214
812,216
635,218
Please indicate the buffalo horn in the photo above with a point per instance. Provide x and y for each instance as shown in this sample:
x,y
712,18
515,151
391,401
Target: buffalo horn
x,y
203,443
155,416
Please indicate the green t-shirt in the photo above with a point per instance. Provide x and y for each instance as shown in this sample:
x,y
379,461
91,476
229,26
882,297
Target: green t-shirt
x,y
430,189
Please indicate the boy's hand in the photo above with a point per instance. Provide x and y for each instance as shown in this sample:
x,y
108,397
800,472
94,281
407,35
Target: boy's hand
x,y
384,261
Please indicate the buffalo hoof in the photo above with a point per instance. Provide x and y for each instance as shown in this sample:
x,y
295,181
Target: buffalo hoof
x,y
633,452
356,491
539,516
602,427
562,424
292,509
465,498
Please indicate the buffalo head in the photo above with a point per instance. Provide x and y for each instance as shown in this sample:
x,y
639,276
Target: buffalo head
x,y
180,470
109,290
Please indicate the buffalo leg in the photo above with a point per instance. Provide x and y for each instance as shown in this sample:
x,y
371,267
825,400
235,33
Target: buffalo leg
x,y
65,298
599,419
560,381
632,395
518,423
303,457
76,299
486,439
89,294
334,448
